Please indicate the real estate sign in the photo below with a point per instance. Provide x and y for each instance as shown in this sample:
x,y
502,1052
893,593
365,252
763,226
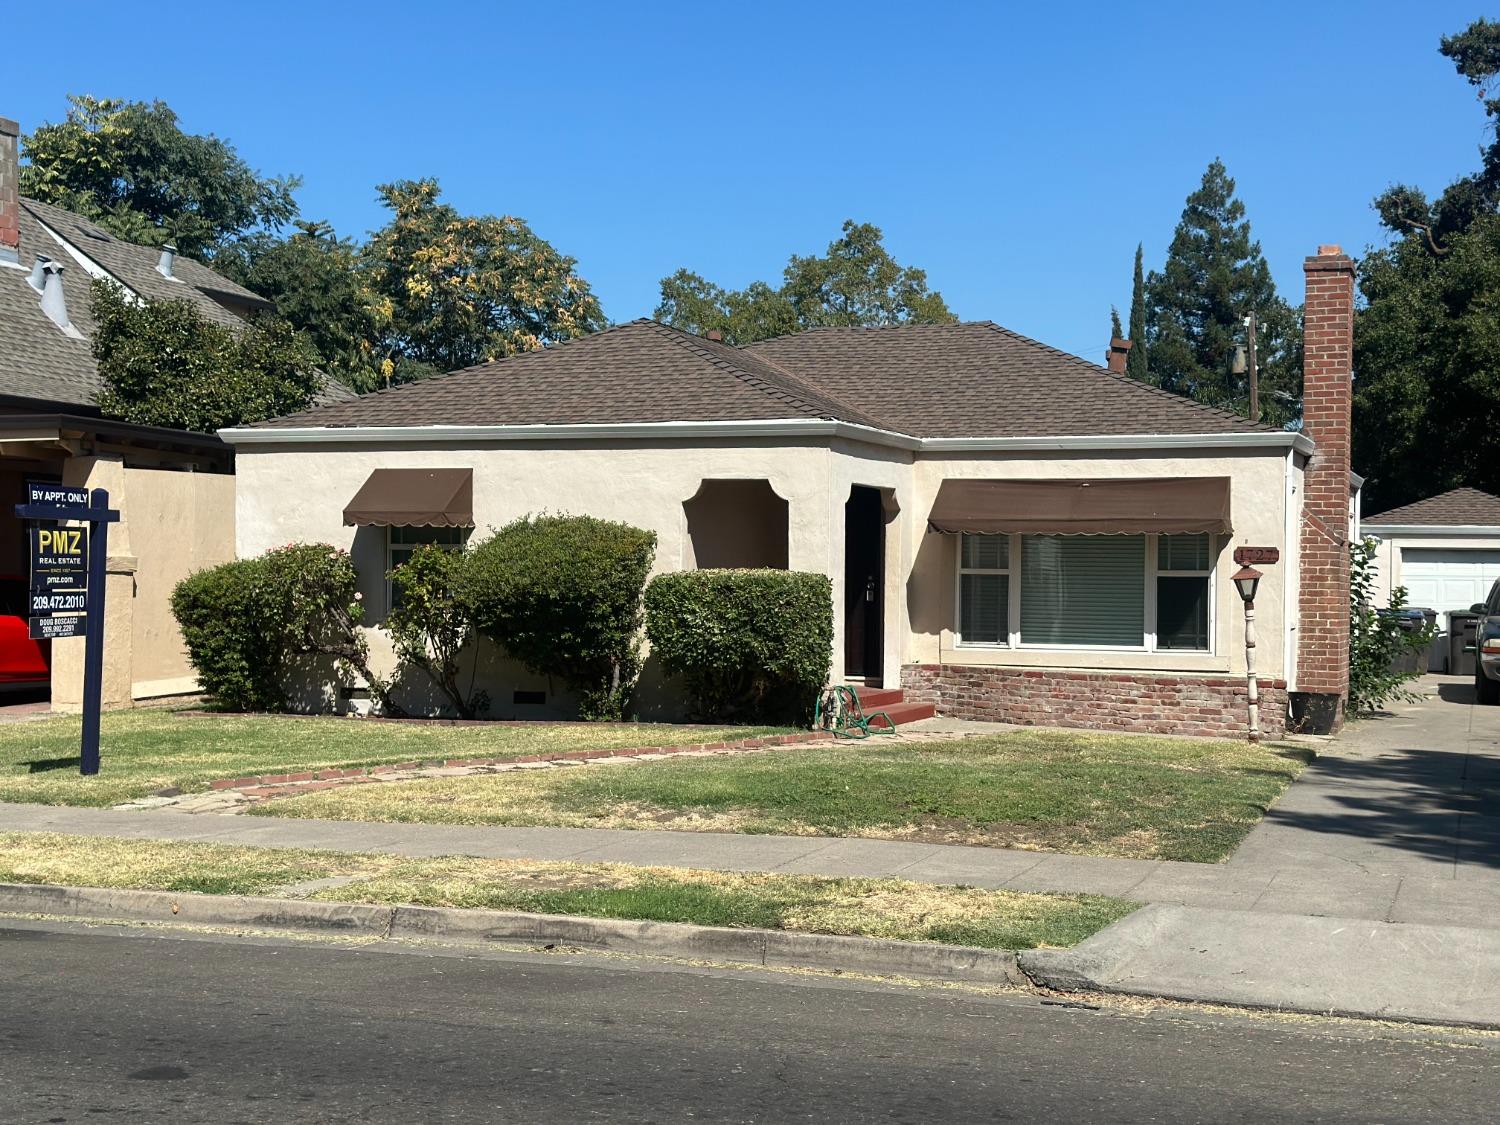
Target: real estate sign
x,y
67,584
59,581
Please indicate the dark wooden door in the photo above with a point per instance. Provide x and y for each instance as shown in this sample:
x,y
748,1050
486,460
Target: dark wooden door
x,y
864,583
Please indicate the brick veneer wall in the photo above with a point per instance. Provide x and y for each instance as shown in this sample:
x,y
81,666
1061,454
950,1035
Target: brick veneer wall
x,y
1327,373
1135,702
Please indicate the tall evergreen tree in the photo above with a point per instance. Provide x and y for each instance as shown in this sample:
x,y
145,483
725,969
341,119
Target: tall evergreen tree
x,y
1115,328
1427,342
1214,276
1135,362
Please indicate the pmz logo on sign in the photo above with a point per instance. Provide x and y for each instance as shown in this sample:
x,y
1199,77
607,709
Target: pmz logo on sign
x,y
59,582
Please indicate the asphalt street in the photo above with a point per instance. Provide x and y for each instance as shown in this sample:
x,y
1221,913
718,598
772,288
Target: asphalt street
x,y
108,1024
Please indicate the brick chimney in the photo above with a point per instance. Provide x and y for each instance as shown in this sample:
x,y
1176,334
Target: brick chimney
x,y
1119,349
10,191
1327,392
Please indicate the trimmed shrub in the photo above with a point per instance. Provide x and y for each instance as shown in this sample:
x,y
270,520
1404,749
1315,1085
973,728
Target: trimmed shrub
x,y
428,627
562,595
751,644
244,621
230,621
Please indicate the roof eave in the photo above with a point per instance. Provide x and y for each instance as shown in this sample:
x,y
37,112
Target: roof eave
x,y
750,428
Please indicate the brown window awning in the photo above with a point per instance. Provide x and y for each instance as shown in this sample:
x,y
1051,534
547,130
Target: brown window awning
x,y
1082,507
414,498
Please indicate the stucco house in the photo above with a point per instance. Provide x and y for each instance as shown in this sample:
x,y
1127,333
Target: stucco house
x,y
174,489
1012,532
1445,550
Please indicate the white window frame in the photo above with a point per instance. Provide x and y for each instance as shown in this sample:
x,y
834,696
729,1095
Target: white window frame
x,y
1012,548
1152,573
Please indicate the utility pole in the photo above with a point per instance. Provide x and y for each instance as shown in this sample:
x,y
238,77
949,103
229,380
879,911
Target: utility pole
x,y
1254,375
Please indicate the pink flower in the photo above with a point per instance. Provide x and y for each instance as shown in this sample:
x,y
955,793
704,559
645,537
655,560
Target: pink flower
x,y
359,597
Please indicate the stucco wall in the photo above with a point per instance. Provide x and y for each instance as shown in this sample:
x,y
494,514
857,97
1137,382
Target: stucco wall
x,y
1257,512
179,523
297,493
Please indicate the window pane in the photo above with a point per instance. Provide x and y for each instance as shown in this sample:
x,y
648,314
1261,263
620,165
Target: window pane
x,y
1083,590
415,535
984,608
1182,613
986,552
1182,552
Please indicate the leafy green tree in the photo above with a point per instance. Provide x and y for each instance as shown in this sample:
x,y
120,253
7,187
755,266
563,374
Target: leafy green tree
x,y
1378,644
431,630
129,166
163,364
1135,361
1427,341
855,284
1214,276
313,280
450,290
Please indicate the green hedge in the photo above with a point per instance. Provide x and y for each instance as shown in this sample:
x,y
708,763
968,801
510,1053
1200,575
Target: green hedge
x,y
562,595
751,644
230,620
244,621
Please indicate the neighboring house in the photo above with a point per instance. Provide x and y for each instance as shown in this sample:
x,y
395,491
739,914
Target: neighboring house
x,y
1012,533
1445,551
174,488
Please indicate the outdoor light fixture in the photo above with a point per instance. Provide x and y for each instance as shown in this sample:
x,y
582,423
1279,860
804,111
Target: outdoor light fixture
x,y
1245,580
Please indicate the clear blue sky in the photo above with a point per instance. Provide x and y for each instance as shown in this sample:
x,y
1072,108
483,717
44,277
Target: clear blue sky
x,y
1017,152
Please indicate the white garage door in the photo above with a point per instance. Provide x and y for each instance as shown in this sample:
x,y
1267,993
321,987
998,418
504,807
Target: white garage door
x,y
1445,580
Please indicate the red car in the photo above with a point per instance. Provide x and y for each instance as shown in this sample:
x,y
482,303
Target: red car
x,y
23,661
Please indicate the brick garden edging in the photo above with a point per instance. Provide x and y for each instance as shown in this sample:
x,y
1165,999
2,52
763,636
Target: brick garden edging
x,y
1212,706
308,780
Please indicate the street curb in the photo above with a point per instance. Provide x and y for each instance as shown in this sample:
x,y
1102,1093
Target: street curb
x,y
769,948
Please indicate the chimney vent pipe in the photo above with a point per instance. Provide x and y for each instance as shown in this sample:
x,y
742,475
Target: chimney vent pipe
x,y
38,277
54,302
164,263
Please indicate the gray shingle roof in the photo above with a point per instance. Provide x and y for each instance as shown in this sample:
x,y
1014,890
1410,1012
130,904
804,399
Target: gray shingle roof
x,y
1461,507
958,380
37,360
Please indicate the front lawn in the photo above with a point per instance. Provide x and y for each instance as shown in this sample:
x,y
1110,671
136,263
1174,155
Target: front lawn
x,y
882,908
1066,791
147,749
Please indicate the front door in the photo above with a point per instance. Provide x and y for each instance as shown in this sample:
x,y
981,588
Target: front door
x,y
864,584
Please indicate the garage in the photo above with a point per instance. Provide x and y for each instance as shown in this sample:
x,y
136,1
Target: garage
x,y
1448,579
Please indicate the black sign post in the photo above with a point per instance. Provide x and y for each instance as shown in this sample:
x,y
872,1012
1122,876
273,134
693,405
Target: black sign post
x,y
56,558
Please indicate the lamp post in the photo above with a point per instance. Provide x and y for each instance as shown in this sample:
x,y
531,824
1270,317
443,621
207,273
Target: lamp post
x,y
1246,579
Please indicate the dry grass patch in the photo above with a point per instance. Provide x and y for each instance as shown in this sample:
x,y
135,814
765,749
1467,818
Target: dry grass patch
x,y
1091,794
148,749
884,908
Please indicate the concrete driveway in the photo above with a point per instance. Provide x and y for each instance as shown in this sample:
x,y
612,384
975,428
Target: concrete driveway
x,y
1404,806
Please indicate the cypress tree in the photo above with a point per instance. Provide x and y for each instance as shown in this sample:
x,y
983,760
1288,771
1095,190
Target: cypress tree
x,y
1114,323
1135,362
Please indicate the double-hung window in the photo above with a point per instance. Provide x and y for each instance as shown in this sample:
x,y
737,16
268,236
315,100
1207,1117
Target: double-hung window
x,y
402,541
1136,592
984,589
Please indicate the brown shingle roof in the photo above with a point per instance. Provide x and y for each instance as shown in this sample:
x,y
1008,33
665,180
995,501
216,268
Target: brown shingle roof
x,y
957,380
981,380
636,372
1461,507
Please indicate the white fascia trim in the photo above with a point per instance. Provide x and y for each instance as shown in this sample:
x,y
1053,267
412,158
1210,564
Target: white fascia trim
x,y
1434,531
1278,440
602,431
757,428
